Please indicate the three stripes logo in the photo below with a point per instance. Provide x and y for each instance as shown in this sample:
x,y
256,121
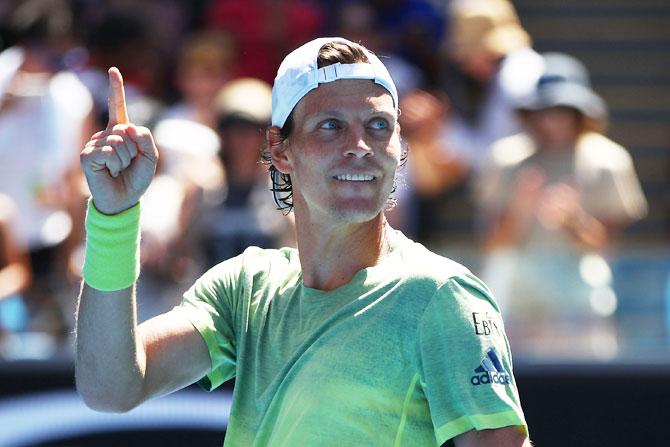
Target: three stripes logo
x,y
491,371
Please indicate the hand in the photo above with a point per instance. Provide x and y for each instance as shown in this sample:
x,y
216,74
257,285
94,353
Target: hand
x,y
527,194
423,115
120,161
559,207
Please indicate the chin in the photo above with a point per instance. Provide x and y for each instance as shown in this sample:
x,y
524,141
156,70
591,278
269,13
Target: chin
x,y
340,208
356,211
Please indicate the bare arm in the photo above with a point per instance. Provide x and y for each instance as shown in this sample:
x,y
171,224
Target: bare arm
x,y
556,206
435,171
15,271
508,227
502,437
118,363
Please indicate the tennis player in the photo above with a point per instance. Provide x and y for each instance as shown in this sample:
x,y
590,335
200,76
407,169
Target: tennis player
x,y
360,337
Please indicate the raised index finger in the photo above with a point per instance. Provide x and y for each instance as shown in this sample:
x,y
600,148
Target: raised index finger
x,y
118,114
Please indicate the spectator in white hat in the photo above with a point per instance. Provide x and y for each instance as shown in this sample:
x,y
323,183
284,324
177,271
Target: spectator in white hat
x,y
244,213
554,198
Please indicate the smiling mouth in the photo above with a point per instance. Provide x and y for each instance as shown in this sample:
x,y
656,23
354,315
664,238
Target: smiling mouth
x,y
355,177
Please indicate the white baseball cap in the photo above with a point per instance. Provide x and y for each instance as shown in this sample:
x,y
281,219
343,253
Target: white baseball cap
x,y
299,73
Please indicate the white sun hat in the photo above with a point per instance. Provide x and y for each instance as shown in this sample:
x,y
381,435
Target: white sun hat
x,y
564,82
299,73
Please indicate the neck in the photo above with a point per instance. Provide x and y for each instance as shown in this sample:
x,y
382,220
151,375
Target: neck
x,y
554,147
332,253
34,61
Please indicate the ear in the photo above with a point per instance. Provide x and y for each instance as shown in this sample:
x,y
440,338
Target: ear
x,y
404,147
278,147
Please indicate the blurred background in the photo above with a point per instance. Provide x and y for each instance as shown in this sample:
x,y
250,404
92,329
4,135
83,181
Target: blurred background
x,y
538,135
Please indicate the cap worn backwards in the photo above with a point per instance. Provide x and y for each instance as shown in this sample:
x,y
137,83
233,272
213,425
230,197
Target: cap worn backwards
x,y
299,73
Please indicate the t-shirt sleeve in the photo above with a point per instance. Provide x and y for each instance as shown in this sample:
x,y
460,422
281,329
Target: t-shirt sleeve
x,y
616,195
210,305
465,361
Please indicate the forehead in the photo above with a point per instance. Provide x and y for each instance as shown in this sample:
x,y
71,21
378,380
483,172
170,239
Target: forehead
x,y
556,112
359,95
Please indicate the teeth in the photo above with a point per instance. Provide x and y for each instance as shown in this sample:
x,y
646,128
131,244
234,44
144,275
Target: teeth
x,y
355,177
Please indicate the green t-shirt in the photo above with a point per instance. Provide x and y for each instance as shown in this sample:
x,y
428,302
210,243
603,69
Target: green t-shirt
x,y
411,352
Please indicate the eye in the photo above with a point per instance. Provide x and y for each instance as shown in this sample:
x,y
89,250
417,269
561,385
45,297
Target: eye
x,y
330,124
379,124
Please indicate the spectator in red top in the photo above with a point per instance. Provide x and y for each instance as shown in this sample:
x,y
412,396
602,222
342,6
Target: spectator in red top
x,y
265,30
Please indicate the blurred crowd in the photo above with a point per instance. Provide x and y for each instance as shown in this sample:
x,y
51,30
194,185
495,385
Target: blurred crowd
x,y
508,158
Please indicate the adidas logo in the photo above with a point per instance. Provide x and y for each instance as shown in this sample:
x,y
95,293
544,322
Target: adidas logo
x,y
490,371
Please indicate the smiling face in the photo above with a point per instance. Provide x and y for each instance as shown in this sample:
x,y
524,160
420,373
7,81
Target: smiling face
x,y
343,152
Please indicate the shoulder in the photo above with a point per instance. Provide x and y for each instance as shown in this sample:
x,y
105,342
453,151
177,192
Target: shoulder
x,y
8,211
10,61
242,276
446,277
595,150
70,93
256,262
449,287
417,261
511,151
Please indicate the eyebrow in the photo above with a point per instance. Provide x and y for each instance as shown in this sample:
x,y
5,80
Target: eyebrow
x,y
337,114
320,115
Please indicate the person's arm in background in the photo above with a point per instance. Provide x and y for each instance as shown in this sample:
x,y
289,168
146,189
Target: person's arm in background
x,y
507,226
556,206
434,170
15,270
560,209
118,363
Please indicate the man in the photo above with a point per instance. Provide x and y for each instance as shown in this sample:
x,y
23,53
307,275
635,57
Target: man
x,y
359,337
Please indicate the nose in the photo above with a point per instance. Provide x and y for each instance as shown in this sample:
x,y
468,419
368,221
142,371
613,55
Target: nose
x,y
357,146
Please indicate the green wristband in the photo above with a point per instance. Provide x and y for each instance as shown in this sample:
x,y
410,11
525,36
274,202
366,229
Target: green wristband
x,y
112,260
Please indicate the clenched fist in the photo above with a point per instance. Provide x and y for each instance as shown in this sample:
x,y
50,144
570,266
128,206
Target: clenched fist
x,y
120,161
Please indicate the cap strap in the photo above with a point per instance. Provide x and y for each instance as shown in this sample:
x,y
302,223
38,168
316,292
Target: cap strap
x,y
337,71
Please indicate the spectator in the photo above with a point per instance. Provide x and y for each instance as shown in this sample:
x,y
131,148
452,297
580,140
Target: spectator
x,y
554,199
206,62
122,38
189,175
45,113
433,169
15,273
265,30
359,21
450,129
493,52
245,216
415,29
